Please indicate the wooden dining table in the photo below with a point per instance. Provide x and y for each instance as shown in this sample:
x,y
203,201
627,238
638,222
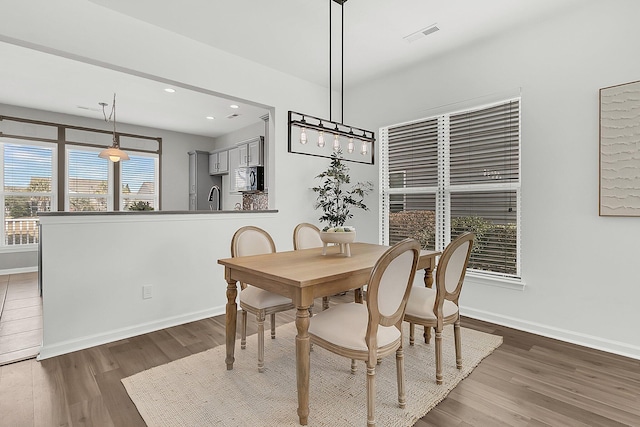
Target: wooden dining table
x,y
304,275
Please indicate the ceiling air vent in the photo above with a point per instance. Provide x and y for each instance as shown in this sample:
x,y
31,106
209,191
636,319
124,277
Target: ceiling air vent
x,y
232,116
421,33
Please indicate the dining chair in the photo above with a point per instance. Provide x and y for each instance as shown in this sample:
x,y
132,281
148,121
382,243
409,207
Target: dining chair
x,y
307,236
374,328
438,308
247,241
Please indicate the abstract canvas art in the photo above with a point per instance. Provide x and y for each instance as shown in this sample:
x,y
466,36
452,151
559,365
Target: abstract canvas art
x,y
620,150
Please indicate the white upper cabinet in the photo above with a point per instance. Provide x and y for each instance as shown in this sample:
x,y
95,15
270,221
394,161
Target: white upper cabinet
x,y
251,152
219,162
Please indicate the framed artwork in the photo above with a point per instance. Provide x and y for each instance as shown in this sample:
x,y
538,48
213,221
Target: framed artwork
x,y
620,150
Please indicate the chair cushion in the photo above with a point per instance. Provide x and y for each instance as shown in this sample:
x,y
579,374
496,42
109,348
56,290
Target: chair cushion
x,y
260,299
421,302
346,326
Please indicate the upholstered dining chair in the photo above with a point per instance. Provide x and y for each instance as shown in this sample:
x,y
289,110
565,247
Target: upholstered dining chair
x,y
375,328
307,236
438,308
246,241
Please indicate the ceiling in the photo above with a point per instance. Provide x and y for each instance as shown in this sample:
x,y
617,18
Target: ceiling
x,y
289,36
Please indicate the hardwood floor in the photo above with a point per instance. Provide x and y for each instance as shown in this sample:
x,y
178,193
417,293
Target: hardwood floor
x,y
528,381
20,317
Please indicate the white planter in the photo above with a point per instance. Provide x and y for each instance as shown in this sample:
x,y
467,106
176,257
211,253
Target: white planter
x,y
342,238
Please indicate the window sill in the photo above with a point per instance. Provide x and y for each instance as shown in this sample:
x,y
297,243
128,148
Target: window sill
x,y
477,278
6,249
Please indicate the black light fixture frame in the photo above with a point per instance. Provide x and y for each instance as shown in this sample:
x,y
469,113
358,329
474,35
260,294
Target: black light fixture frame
x,y
307,121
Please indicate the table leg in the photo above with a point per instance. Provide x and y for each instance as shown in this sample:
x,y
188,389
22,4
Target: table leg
x,y
428,282
230,322
302,363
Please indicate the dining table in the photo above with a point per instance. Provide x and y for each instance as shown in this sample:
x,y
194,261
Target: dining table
x,y
304,275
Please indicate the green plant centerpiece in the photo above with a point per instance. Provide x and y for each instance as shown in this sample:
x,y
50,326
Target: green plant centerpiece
x,y
336,199
140,206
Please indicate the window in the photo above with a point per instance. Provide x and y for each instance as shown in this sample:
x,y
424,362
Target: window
x,y
29,171
139,180
456,172
89,181
27,188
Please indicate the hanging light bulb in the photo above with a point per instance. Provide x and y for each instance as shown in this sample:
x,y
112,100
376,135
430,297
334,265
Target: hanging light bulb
x,y
113,153
351,146
336,142
320,139
303,136
364,150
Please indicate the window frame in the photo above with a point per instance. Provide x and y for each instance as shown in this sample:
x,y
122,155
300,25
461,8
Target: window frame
x,y
444,191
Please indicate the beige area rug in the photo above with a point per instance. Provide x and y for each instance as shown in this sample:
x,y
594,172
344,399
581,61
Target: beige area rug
x,y
199,391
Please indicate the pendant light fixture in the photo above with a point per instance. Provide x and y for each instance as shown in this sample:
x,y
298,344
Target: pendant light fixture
x,y
306,122
113,153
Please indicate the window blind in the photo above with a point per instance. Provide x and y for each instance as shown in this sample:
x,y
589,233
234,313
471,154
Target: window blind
x,y
484,145
26,189
88,183
413,152
453,173
138,180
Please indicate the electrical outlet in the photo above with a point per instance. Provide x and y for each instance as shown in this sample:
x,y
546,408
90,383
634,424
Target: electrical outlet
x,y
147,291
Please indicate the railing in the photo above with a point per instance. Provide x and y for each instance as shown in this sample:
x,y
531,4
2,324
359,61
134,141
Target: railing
x,y
21,231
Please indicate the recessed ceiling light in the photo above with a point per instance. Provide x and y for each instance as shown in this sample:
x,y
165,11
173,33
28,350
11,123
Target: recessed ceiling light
x,y
210,117
233,106
170,90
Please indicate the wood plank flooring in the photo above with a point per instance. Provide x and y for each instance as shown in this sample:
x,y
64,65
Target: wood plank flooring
x,y
20,317
528,381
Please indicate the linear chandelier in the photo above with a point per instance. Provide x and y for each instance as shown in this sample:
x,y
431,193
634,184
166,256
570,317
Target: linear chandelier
x,y
113,153
329,128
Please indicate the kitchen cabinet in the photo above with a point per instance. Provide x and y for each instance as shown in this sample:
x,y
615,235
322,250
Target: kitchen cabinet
x,y
200,182
251,152
219,162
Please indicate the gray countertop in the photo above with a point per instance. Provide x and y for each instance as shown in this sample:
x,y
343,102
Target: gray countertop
x,y
155,212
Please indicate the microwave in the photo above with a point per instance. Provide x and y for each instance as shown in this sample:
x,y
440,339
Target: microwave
x,y
250,179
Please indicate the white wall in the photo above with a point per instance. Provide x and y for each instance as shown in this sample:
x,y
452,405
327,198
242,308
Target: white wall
x,y
580,269
55,28
92,290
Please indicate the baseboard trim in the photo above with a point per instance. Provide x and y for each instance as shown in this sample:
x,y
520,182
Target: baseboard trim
x,y
60,348
8,271
598,343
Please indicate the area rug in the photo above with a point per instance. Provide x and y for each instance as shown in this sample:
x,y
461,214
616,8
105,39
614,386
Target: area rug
x,y
199,391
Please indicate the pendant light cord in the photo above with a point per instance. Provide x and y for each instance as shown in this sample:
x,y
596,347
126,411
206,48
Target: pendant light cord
x,y
330,68
341,64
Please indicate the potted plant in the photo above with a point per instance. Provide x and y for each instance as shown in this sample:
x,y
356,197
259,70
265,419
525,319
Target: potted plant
x,y
334,199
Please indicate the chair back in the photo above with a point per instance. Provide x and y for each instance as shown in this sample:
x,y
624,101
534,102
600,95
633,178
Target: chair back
x,y
251,240
389,285
452,267
306,236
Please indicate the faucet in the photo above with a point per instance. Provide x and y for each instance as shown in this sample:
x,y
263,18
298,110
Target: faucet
x,y
215,190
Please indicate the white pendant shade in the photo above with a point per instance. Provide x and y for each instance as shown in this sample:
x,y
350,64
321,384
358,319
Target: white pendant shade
x,y
114,154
